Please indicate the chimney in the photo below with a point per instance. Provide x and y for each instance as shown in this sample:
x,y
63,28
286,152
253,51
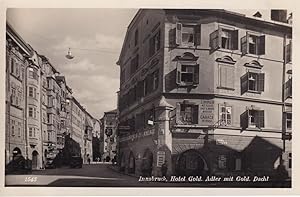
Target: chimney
x,y
279,15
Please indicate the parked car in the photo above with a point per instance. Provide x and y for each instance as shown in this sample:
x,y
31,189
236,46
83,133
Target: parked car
x,y
50,164
76,162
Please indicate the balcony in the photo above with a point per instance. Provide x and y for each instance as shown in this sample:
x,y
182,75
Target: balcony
x,y
33,141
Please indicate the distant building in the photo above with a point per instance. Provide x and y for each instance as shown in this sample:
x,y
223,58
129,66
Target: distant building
x,y
208,91
110,122
17,62
40,110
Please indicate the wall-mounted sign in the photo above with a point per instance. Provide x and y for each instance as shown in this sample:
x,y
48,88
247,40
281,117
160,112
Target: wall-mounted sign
x,y
137,135
161,157
206,111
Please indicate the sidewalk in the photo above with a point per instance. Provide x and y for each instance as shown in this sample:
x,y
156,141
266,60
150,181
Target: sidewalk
x,y
43,180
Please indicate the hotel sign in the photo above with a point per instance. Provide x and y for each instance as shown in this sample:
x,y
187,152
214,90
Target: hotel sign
x,y
136,136
206,109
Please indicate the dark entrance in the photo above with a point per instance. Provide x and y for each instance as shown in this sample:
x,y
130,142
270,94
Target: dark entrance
x,y
147,163
131,163
35,160
190,163
17,154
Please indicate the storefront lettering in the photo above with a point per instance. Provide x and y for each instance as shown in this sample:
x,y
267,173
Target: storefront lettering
x,y
137,135
206,112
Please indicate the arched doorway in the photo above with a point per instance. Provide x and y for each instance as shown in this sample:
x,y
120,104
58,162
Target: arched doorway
x,y
35,160
190,163
17,153
131,163
147,163
122,162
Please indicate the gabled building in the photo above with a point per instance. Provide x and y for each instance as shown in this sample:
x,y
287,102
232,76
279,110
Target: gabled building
x,y
17,64
207,91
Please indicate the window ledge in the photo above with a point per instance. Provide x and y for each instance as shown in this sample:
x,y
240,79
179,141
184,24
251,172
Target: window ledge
x,y
187,84
253,91
254,129
226,88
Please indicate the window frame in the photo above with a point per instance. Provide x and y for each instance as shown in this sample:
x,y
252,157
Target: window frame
x,y
180,71
260,82
194,114
260,48
225,114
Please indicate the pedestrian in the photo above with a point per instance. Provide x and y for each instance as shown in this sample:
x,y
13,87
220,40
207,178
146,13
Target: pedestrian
x,y
89,160
281,174
164,169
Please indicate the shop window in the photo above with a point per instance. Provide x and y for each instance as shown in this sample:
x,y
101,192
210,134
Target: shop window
x,y
154,44
224,38
187,74
252,118
226,76
189,35
252,82
253,44
187,113
225,115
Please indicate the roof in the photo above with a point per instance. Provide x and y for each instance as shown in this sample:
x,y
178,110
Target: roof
x,y
18,40
221,13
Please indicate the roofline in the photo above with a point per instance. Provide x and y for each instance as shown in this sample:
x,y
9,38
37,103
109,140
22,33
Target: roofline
x,y
18,39
218,12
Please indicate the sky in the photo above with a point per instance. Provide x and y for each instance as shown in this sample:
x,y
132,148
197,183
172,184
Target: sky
x,y
95,37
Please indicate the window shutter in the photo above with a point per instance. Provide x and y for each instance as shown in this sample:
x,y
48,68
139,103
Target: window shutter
x,y
244,120
196,74
178,33
178,121
245,44
214,40
230,77
261,82
197,35
222,76
195,114
261,45
288,52
178,73
284,121
260,119
172,37
235,39
244,83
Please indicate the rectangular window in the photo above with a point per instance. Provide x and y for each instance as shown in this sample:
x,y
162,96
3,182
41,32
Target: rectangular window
x,y
224,38
252,82
225,115
253,44
289,121
154,44
188,114
288,88
226,76
30,92
189,35
288,51
187,74
13,122
290,160
19,129
30,132
134,64
12,66
136,37
253,118
30,112
155,80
